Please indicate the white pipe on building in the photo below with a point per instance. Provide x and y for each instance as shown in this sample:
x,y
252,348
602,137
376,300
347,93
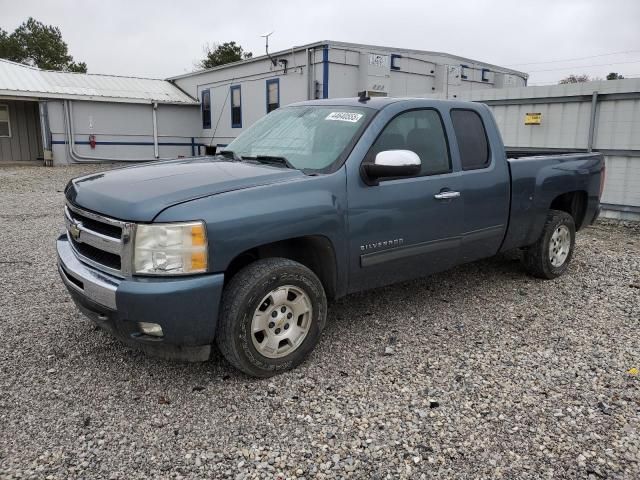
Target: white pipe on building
x,y
308,74
156,152
78,158
45,132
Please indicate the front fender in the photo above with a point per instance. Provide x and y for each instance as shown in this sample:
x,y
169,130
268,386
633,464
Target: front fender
x,y
245,219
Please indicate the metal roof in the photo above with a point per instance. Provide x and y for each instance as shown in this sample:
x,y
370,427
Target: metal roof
x,y
355,46
17,80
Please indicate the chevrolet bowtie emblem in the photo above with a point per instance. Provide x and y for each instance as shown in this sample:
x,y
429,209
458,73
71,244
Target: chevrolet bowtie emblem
x,y
74,230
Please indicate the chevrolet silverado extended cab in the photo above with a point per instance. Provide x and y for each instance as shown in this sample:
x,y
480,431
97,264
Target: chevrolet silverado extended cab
x,y
313,202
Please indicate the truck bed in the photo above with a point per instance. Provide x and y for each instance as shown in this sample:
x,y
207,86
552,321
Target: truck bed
x,y
539,181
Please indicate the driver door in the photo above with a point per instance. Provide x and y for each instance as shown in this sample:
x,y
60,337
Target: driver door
x,y
407,227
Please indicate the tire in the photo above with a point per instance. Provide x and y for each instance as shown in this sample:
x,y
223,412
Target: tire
x,y
538,259
266,287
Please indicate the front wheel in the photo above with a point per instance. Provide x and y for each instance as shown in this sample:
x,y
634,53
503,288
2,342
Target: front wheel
x,y
549,257
273,312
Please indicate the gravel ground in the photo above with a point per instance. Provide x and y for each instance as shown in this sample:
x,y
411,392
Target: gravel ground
x,y
487,373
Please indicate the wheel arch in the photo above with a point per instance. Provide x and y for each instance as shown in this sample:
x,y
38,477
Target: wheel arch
x,y
574,203
316,252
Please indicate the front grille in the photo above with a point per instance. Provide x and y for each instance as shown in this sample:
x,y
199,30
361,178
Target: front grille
x,y
107,259
96,226
99,241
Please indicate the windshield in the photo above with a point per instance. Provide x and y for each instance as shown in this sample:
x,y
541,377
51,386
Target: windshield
x,y
308,137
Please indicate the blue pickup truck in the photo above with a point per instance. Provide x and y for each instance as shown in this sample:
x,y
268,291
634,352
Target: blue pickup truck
x,y
315,201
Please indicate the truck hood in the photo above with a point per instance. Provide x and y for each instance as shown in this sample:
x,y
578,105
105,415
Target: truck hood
x,y
141,192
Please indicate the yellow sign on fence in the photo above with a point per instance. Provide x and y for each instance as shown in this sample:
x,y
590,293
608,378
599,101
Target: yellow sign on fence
x,y
532,118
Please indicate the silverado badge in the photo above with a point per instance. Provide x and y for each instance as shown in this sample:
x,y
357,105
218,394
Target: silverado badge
x,y
394,242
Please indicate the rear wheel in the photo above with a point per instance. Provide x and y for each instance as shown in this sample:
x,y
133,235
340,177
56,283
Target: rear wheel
x,y
549,257
273,312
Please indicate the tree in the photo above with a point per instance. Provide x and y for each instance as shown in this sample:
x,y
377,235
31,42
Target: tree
x,y
34,43
8,47
575,79
614,76
220,54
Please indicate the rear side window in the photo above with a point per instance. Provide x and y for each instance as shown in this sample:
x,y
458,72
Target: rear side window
x,y
472,139
420,131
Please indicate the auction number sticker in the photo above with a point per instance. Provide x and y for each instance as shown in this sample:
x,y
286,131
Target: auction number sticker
x,y
345,116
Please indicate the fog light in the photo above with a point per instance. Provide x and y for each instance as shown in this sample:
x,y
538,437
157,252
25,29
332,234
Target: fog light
x,y
152,329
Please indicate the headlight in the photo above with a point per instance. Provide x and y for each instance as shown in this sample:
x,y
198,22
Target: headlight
x,y
170,249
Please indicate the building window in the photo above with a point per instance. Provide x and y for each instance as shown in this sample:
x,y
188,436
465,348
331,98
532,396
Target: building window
x,y
273,94
236,107
472,139
5,126
206,109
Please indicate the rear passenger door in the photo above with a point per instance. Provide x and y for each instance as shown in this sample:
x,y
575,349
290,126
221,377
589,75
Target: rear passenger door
x,y
405,227
485,182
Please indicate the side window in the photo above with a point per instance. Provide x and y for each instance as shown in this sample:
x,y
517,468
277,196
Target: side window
x,y
472,139
236,107
5,126
273,94
206,109
420,131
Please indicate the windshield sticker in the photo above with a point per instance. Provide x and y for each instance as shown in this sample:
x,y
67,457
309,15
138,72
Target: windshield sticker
x,y
345,116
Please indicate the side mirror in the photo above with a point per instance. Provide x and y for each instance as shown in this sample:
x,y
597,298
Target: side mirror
x,y
392,163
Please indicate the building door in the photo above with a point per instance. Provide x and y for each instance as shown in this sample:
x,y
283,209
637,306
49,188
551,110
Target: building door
x,y
20,132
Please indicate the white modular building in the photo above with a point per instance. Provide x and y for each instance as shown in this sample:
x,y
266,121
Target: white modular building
x,y
235,95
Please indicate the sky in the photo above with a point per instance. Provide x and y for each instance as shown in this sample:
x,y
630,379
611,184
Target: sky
x,y
549,39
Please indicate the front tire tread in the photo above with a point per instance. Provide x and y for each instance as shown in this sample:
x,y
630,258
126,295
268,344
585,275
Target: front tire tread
x,y
245,285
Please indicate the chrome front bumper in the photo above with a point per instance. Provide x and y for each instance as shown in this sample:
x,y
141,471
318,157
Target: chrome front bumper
x,y
186,308
89,282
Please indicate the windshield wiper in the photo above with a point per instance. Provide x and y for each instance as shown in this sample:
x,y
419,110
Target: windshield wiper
x,y
230,154
269,159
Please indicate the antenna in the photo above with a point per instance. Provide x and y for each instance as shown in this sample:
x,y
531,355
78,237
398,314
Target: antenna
x,y
266,47
363,96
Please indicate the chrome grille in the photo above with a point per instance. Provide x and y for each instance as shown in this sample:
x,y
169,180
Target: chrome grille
x,y
99,241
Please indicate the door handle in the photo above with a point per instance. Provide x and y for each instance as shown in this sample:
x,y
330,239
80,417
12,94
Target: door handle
x,y
446,195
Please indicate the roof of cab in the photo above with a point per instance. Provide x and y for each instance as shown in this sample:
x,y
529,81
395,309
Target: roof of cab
x,y
378,103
